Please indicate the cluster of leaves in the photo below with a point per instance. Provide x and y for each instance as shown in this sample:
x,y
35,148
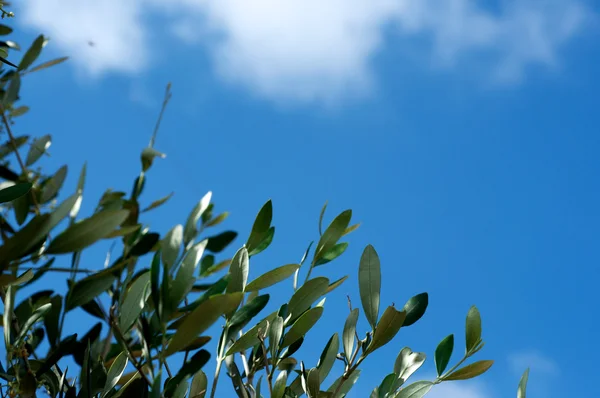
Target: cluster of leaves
x,y
164,297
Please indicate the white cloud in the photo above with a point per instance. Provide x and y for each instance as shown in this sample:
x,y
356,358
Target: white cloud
x,y
465,389
538,363
307,50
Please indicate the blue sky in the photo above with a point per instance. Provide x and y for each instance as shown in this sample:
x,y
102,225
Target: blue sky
x,y
463,134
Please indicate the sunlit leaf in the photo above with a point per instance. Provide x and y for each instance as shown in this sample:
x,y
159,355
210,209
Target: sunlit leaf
x,y
261,226
388,326
470,371
38,148
134,302
415,308
369,283
305,296
349,332
522,390
53,185
473,328
415,390
272,277
115,372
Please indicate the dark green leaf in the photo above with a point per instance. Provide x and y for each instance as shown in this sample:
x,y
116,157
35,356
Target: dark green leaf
x,y
328,356
332,234
184,281
8,279
12,93
261,226
470,371
443,352
189,368
264,243
21,206
473,328
369,282
145,245
86,232
386,385
5,30
14,192
415,308
51,320
218,243
238,271
275,333
272,277
250,338
245,314
202,318
20,111
36,316
115,372
332,254
63,349
321,216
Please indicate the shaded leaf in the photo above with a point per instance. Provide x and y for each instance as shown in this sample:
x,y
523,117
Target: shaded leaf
x,y
407,363
37,149
307,294
443,352
12,93
89,288
415,308
247,312
250,338
264,243
369,283
53,185
115,372
332,234
261,226
218,243
275,333
238,271
336,284
134,302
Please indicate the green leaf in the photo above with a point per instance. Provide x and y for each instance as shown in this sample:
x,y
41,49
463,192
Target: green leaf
x,y
415,390
415,308
238,271
347,384
332,234
171,245
21,208
250,338
321,216
272,277
115,372
279,386
32,53
218,243
63,349
8,147
134,302
349,332
20,111
7,62
88,231
264,243
390,323
36,316
328,356
313,382
369,283
199,385
12,93
473,328
275,333
9,303
443,352
307,294
261,226
189,368
37,149
191,225
48,64
53,185
247,312
386,385
52,319
202,318
302,325
407,363
184,281
158,203
521,391
332,254
5,30
217,220
155,283
470,371
87,289
336,284
11,280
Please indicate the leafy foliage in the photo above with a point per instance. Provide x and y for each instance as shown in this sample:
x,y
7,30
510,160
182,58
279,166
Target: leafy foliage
x,y
162,299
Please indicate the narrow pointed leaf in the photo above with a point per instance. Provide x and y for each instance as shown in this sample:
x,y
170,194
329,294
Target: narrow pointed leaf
x,y
261,226
443,352
134,301
522,390
470,371
407,363
199,385
14,192
302,325
48,64
333,233
272,277
32,53
115,372
473,328
307,294
349,332
415,390
369,282
390,323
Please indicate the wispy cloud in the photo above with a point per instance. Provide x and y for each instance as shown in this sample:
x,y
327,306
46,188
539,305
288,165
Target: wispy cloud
x,y
537,362
467,389
310,50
